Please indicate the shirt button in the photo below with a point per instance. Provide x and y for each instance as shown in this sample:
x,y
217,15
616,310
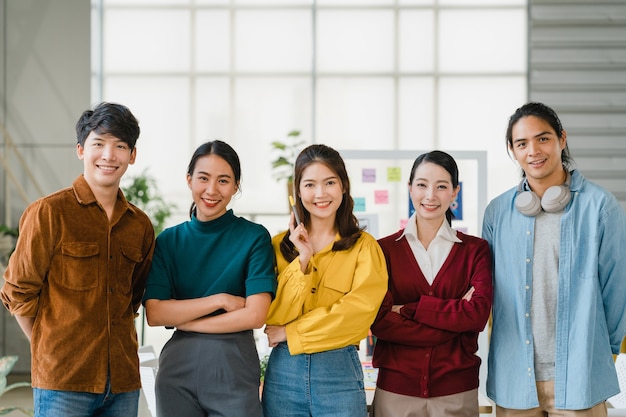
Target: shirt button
x,y
430,293
528,342
527,260
313,290
528,287
527,315
528,232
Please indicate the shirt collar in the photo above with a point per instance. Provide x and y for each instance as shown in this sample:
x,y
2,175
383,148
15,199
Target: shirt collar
x,y
445,231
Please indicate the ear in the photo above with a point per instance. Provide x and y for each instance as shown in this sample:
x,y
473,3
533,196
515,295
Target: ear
x,y
189,181
80,151
133,155
456,192
563,139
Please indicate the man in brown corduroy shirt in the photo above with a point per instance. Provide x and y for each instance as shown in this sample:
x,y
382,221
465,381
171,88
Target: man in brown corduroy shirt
x,y
77,276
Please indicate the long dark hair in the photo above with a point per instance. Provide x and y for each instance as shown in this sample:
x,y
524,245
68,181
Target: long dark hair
x,y
546,113
346,223
445,161
221,149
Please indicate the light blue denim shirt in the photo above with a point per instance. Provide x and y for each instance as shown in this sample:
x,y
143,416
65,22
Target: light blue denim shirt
x,y
591,304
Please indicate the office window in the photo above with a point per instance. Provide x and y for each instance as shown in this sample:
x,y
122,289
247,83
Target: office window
x,y
353,74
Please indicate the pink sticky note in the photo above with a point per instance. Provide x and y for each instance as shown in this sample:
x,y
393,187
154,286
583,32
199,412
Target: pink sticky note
x,y
381,197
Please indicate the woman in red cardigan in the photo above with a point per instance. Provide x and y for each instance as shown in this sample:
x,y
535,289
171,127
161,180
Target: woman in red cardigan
x,y
439,299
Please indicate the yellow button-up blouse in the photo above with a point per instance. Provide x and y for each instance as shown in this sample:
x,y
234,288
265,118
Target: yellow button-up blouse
x,y
335,302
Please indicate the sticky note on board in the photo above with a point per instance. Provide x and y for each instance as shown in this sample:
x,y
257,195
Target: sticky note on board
x,y
368,175
359,204
393,174
381,197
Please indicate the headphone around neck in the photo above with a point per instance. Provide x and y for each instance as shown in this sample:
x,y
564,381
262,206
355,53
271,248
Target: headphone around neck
x,y
554,199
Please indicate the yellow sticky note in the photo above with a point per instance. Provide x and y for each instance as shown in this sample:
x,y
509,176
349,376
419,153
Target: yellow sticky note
x,y
393,174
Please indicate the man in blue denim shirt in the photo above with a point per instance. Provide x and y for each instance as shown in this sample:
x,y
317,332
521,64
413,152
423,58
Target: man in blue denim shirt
x,y
559,249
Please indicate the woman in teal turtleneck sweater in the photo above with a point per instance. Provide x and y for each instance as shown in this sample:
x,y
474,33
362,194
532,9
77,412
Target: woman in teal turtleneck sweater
x,y
213,279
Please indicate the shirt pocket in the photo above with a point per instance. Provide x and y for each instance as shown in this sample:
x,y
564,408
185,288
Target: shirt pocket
x,y
130,257
80,265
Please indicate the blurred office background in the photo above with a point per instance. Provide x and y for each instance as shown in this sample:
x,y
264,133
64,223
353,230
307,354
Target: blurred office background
x,y
364,75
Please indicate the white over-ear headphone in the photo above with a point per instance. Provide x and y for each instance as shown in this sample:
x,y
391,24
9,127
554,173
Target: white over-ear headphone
x,y
554,199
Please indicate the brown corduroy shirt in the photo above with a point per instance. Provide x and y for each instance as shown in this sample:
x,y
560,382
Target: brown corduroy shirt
x,y
82,277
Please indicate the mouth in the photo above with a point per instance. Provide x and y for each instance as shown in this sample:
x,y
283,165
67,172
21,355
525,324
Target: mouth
x,y
322,204
536,163
106,168
210,203
431,206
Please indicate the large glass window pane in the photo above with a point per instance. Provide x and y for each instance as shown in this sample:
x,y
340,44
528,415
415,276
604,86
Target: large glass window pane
x,y
416,115
354,2
212,40
417,40
355,113
473,116
355,41
212,109
146,40
163,113
266,109
465,3
482,41
277,41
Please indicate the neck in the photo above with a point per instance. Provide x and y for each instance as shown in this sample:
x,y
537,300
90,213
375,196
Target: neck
x,y
427,229
540,185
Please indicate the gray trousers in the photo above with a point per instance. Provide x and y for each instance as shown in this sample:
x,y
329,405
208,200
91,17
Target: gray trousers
x,y
207,375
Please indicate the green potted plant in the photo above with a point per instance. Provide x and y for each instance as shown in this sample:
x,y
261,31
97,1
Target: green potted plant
x,y
8,237
286,153
142,191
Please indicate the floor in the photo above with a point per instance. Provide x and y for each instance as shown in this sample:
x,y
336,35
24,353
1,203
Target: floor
x,y
18,397
23,397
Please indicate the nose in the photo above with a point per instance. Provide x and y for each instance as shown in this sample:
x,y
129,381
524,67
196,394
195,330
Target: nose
x,y
108,153
319,190
211,186
532,148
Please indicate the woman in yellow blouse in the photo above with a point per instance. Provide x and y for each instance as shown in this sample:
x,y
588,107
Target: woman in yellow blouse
x,y
332,279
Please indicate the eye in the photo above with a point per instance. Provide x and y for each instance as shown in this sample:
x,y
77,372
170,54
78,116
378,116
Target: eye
x,y
308,185
223,181
123,146
442,187
331,182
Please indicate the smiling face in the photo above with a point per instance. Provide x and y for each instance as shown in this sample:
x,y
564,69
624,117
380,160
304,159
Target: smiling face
x,y
432,191
537,148
105,160
321,191
212,186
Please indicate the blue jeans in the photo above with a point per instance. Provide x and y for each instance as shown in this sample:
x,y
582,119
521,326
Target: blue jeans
x,y
51,403
325,384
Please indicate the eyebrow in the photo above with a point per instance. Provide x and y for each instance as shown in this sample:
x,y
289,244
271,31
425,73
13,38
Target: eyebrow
x,y
436,182
334,177
218,175
547,132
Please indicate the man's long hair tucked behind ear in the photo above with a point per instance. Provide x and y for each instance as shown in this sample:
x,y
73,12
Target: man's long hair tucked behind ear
x,y
346,223
545,113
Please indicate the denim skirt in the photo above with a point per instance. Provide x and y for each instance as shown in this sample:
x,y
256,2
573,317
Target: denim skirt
x,y
321,384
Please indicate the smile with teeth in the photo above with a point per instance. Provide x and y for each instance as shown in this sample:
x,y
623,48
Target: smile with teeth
x,y
210,202
322,204
107,167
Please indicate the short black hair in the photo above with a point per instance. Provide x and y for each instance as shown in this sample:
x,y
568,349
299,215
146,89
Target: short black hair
x,y
112,118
